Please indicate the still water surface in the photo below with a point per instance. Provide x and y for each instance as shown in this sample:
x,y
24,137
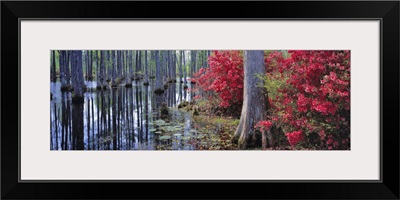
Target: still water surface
x,y
120,119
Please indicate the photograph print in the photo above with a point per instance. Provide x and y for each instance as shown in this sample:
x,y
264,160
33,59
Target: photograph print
x,y
199,100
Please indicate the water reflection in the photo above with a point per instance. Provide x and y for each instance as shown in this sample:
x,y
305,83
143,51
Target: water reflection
x,y
114,119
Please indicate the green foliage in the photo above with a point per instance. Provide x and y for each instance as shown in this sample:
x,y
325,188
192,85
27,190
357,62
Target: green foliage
x,y
272,85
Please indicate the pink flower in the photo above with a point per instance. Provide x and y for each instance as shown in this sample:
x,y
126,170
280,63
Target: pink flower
x,y
322,134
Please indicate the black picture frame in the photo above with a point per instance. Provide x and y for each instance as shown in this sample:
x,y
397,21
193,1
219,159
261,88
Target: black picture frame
x,y
386,11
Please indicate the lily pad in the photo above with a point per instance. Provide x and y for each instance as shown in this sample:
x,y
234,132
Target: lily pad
x,y
160,122
165,137
158,132
177,134
152,130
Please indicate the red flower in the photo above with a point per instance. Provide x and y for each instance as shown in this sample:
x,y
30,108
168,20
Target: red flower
x,y
263,125
295,137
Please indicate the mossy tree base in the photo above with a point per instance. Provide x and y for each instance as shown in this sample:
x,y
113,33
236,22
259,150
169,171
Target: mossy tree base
x,y
183,104
164,111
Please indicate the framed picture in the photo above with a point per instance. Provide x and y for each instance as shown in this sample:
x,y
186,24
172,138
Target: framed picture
x,y
300,98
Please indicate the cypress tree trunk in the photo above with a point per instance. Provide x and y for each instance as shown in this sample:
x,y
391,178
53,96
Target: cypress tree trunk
x,y
114,65
184,71
102,70
136,64
86,64
140,64
193,64
117,77
53,66
77,77
146,73
67,70
128,82
109,65
90,68
169,56
254,102
180,67
164,67
159,89
61,61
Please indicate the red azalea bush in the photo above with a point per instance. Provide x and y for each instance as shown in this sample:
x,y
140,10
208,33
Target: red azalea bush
x,y
224,77
309,93
315,98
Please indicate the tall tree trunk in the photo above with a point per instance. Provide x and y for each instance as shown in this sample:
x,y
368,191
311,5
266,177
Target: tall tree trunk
x,y
124,64
184,69
169,56
77,77
90,67
180,67
192,62
61,61
119,64
254,102
136,64
102,69
53,66
173,65
164,66
67,69
109,65
146,73
159,89
140,64
114,65
128,80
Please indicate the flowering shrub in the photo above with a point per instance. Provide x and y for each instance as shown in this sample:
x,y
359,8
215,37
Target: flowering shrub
x,y
316,96
224,77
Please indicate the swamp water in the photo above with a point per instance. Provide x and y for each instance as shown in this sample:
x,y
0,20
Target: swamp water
x,y
128,119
